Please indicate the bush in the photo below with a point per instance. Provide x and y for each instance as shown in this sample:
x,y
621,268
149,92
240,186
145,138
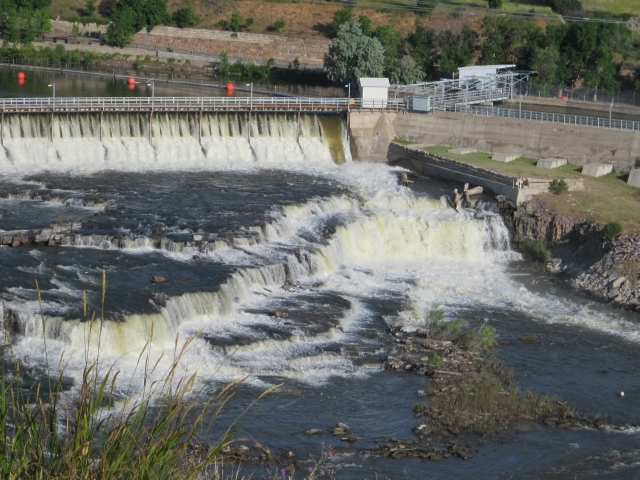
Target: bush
x,y
185,18
612,230
536,250
342,16
277,25
495,3
436,361
237,23
90,8
557,187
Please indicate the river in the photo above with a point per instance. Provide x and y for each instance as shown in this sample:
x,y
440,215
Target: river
x,y
230,222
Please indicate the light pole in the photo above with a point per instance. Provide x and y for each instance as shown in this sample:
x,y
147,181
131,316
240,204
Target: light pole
x,y
251,104
520,111
610,107
53,107
348,96
152,84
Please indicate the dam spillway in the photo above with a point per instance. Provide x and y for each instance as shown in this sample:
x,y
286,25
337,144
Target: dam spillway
x,y
123,140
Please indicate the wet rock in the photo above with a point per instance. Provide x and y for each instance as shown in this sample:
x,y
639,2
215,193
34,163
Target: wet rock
x,y
278,314
15,242
287,288
350,439
526,340
422,393
313,431
157,279
340,429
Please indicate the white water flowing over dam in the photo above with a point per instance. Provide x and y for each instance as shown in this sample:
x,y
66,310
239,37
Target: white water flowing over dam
x,y
133,141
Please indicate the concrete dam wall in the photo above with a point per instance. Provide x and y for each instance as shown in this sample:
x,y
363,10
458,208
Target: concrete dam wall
x,y
371,133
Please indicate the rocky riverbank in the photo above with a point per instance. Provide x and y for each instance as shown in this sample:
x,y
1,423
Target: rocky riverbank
x,y
580,255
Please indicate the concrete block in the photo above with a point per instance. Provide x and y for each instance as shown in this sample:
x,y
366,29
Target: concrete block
x,y
463,151
505,157
634,178
551,162
597,169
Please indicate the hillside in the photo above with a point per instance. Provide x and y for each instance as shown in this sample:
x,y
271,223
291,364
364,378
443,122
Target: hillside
x,y
314,19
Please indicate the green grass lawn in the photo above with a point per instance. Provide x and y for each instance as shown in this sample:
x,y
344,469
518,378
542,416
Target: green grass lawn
x,y
613,6
604,200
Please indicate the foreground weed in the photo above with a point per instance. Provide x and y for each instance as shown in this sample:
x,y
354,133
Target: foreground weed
x,y
153,435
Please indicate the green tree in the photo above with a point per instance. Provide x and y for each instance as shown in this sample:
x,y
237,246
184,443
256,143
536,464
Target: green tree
x,y
391,40
587,52
495,3
422,47
456,50
365,25
407,72
565,7
510,40
342,16
185,17
22,21
90,8
353,55
125,22
636,84
545,62
156,13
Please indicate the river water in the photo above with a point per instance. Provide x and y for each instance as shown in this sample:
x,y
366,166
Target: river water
x,y
229,222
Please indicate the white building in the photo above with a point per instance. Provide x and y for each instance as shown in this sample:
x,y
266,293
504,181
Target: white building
x,y
374,92
481,71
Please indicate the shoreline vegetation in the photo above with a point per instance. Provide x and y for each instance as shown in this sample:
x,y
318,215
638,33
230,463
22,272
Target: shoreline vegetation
x,y
470,397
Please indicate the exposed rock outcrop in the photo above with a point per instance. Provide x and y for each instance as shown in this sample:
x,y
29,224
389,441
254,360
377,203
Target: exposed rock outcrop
x,y
608,271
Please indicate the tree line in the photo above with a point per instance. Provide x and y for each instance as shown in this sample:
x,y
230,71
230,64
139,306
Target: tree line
x,y
578,53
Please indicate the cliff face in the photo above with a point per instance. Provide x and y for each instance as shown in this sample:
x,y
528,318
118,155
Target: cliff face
x,y
608,271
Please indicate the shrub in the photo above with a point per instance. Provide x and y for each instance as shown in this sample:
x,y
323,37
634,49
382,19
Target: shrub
x,y
342,16
557,187
277,25
436,361
536,250
90,8
185,18
495,3
612,230
237,23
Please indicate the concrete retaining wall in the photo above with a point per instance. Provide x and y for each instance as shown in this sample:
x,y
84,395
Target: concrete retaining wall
x,y
579,145
249,46
439,167
515,189
370,133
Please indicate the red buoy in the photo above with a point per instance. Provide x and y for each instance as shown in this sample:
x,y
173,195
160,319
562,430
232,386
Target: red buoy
x,y
20,75
131,80
230,86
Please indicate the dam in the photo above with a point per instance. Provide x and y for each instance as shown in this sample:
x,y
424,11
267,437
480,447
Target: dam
x,y
290,263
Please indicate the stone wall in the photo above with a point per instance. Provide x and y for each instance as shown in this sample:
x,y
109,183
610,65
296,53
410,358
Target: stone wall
x,y
578,144
66,28
248,46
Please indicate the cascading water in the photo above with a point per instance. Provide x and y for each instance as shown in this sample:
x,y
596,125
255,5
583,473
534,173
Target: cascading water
x,y
132,141
292,273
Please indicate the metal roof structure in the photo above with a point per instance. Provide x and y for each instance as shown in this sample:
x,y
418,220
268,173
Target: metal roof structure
x,y
374,82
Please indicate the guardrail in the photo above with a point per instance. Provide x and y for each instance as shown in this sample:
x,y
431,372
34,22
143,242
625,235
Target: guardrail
x,y
548,117
172,104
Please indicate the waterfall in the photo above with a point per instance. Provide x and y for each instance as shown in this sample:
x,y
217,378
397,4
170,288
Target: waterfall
x,y
90,142
379,230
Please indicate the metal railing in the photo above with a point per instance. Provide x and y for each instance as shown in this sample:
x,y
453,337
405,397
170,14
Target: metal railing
x,y
65,104
548,117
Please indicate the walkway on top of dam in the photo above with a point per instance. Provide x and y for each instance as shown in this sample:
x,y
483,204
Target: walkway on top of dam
x,y
193,104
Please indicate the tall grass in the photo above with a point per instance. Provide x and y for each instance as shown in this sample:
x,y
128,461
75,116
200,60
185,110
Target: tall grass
x,y
155,434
